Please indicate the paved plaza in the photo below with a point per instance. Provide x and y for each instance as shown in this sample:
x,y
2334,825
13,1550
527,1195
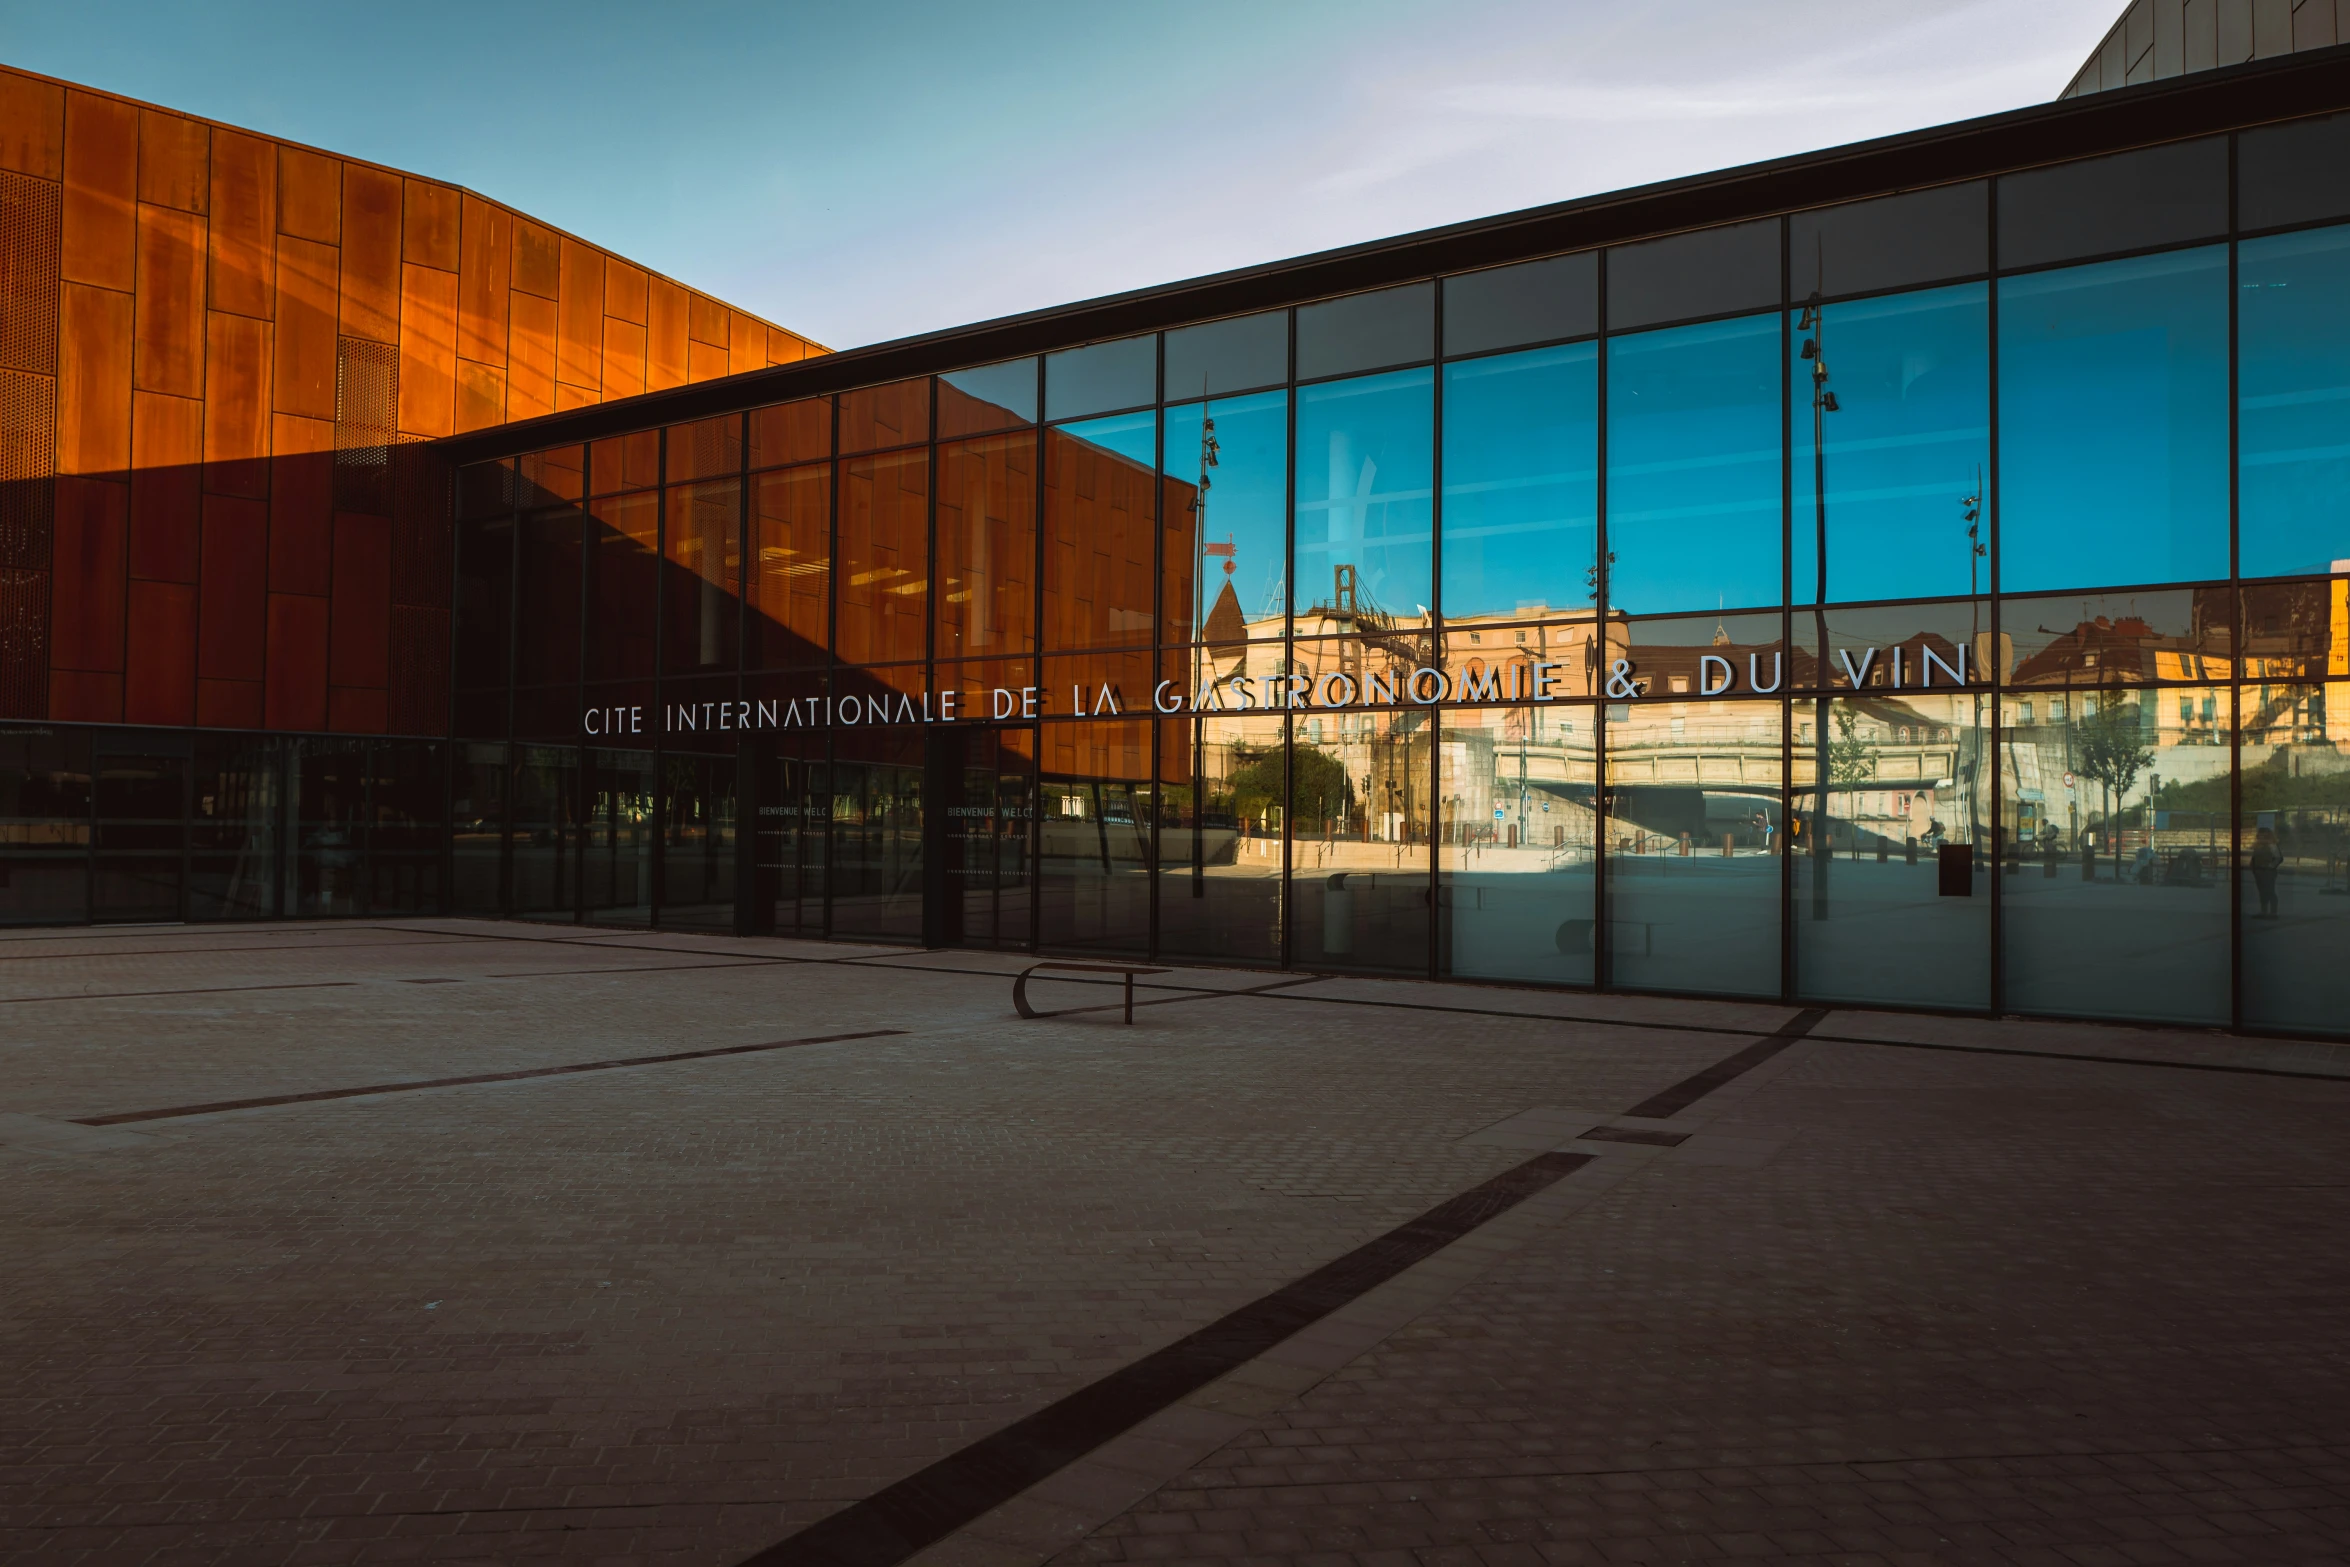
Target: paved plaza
x,y
450,1241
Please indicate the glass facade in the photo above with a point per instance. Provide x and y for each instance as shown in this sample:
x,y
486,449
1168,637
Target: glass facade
x,y
1934,601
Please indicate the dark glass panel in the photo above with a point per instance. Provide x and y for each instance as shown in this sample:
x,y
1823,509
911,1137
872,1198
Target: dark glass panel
x,y
1908,778
1894,647
330,799
698,823
233,813
2293,419
702,619
791,542
1393,326
1100,536
1903,451
544,478
1711,272
140,803
1532,302
706,449
1220,884
873,786
1678,656
873,417
788,851
2134,921
1365,480
485,488
44,826
546,644
791,432
1693,812
2298,172
883,567
1234,355
1100,377
2129,201
987,545
1517,851
1521,483
1693,466
1862,247
407,803
1094,812
2297,631
986,834
625,462
621,596
2113,389
485,603
2293,841
480,714
477,829
2084,640
987,398
544,792
1358,812
617,841
547,712
1225,510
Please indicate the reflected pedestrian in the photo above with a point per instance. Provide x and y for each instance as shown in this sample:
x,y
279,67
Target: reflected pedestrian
x,y
2265,860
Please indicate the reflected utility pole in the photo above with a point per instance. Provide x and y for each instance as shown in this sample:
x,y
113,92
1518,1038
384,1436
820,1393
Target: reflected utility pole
x,y
1823,403
1208,453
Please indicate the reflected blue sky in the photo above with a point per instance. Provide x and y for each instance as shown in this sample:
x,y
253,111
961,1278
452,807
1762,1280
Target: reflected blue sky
x,y
1247,497
1365,476
2293,379
1521,481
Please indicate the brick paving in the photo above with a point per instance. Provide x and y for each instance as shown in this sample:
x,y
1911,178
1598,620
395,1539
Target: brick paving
x,y
1981,1291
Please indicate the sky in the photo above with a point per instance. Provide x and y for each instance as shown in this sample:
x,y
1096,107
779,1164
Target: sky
x,y
860,172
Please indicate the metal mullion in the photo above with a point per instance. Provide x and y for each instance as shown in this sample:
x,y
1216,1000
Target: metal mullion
x,y
1437,634
1600,977
1036,638
1288,900
657,893
831,660
1158,621
1994,678
1788,980
2235,621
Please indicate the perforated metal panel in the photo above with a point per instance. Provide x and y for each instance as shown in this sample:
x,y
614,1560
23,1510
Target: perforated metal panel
x,y
28,465
29,240
367,417
24,644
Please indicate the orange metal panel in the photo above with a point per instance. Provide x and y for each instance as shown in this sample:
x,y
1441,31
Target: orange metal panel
x,y
665,336
228,704
624,290
295,685
169,335
175,156
428,351
747,348
301,510
359,632
167,442
530,363
703,362
483,258
783,348
309,195
371,254
538,259
708,322
87,575
159,666
428,225
306,303
244,224
94,381
233,602
580,344
81,697
624,358
32,126
481,395
236,405
101,242
568,397
355,711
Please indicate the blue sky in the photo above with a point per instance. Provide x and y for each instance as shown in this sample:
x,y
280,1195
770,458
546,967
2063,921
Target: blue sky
x,y
867,171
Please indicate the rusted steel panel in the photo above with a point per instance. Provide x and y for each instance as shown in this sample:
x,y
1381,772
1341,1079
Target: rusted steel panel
x,y
101,242
485,256
32,126
428,224
93,381
308,290
309,195
169,335
236,405
175,157
428,351
244,224
371,254
301,505
167,444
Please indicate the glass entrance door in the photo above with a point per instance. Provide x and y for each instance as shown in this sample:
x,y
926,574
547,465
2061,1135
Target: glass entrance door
x,y
142,808
875,784
986,839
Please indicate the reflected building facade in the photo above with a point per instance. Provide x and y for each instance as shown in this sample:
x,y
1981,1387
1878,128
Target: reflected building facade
x,y
1912,575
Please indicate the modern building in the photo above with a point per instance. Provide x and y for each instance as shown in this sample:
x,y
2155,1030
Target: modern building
x,y
1911,574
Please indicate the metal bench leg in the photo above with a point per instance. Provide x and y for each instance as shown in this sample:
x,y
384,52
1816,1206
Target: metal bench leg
x,y
1130,998
1020,994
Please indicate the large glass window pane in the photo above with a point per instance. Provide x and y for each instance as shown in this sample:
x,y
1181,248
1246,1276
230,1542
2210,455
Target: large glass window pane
x,y
2079,641
2152,196
1903,452
1220,860
2113,908
1707,272
1100,377
984,837
1359,811
884,588
1532,302
141,817
485,607
1693,466
1392,326
1094,810
625,462
407,805
1519,788
702,619
1521,483
791,552
617,841
697,842
2298,172
233,813
874,784
987,397
706,449
2113,409
625,563
546,650
987,545
1365,471
1693,817
477,830
1099,533
1920,236
874,417
1226,509
544,791
791,432
1876,921
2293,422
44,826
787,854
543,478
330,843
1237,355
2294,844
